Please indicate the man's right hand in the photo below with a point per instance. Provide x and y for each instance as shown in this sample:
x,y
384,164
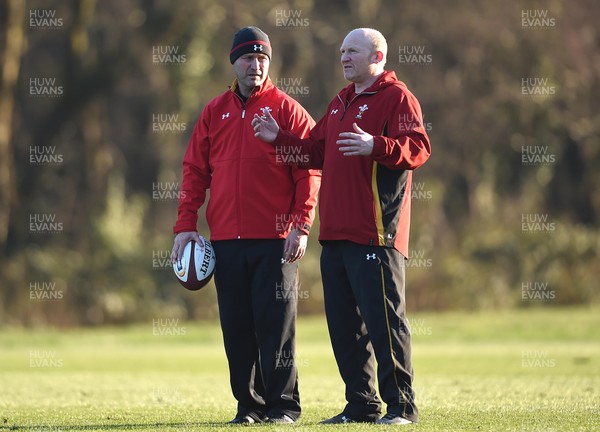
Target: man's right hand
x,y
181,240
265,126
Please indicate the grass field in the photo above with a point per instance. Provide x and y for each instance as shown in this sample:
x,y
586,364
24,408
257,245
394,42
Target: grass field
x,y
528,370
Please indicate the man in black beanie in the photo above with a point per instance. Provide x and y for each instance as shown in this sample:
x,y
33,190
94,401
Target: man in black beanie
x,y
250,40
260,212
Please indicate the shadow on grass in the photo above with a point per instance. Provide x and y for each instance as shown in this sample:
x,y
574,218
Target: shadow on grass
x,y
114,426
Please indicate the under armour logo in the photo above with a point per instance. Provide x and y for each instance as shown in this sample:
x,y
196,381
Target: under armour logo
x,y
257,47
361,110
371,256
224,116
333,111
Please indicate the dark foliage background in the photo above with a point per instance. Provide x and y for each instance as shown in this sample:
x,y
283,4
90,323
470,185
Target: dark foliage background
x,y
103,258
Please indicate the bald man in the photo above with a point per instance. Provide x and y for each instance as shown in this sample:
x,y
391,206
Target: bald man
x,y
368,144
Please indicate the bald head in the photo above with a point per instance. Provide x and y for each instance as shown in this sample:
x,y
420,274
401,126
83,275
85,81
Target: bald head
x,y
375,40
363,57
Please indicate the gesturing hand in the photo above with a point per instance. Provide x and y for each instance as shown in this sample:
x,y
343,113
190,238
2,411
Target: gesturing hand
x,y
265,126
356,144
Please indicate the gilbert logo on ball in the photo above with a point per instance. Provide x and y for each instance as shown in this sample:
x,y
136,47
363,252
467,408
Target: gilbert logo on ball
x,y
197,265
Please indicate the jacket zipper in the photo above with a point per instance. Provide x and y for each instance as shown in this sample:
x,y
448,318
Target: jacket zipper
x,y
356,96
239,170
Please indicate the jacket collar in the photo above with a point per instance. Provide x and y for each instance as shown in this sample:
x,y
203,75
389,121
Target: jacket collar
x,y
263,88
386,79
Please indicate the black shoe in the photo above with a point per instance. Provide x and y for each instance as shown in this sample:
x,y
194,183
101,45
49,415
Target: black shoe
x,y
243,420
283,419
393,419
338,419
343,419
247,419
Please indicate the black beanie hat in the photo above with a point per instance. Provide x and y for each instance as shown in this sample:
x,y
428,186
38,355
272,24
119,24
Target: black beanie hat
x,y
250,40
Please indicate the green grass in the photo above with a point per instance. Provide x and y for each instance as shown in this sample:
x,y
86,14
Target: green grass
x,y
528,370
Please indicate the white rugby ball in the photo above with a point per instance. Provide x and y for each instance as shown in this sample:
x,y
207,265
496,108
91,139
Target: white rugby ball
x,y
197,265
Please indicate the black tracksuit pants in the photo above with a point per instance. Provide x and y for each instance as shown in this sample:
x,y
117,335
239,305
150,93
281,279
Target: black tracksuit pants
x,y
364,300
257,297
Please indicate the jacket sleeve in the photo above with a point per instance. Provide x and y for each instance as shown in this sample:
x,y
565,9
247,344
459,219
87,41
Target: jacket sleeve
x,y
196,176
406,145
307,181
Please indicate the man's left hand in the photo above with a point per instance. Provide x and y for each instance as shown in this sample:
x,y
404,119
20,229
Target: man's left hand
x,y
294,246
356,144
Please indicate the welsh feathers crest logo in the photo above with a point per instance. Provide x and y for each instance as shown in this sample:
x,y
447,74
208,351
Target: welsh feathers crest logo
x,y
361,110
264,111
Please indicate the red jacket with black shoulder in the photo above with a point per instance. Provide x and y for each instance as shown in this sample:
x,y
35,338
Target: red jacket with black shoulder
x,y
366,199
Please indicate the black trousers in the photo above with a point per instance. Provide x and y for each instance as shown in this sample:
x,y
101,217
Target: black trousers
x,y
257,297
364,302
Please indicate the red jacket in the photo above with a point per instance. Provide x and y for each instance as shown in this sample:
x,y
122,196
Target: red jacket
x,y
254,192
366,199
